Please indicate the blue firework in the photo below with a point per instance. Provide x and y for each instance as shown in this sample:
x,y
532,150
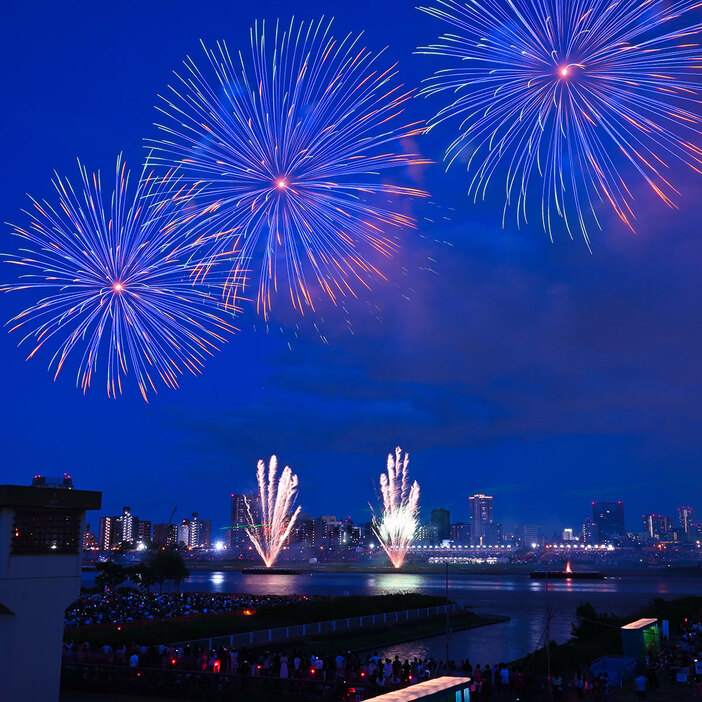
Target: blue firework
x,y
112,280
573,99
292,142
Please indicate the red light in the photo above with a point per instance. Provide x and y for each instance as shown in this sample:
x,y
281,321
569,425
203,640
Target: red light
x,y
217,666
173,661
119,628
138,675
312,671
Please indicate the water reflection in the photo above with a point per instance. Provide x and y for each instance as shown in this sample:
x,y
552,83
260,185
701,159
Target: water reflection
x,y
399,582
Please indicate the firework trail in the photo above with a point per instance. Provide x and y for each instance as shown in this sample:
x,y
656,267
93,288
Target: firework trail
x,y
113,280
583,97
277,497
292,142
398,524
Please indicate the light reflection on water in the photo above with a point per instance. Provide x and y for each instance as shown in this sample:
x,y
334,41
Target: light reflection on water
x,y
517,596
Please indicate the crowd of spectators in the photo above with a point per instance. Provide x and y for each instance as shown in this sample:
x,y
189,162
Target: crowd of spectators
x,y
342,667
133,606
370,671
674,664
372,674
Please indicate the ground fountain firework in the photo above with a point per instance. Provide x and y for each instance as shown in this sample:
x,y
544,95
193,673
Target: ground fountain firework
x,y
269,515
398,523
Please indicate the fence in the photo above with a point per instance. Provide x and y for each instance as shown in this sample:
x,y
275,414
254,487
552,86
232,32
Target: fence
x,y
298,631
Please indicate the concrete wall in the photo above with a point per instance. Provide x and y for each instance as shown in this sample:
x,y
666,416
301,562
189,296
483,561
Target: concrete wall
x,y
37,589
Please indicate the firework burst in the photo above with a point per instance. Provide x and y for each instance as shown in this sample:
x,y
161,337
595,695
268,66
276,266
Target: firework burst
x,y
114,280
399,520
582,97
292,142
275,501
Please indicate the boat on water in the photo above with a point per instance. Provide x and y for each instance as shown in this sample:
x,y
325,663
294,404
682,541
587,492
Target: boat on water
x,y
567,574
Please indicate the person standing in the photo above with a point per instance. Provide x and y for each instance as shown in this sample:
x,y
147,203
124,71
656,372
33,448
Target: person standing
x,y
640,684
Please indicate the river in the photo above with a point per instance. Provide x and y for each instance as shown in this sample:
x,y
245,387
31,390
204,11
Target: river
x,y
524,600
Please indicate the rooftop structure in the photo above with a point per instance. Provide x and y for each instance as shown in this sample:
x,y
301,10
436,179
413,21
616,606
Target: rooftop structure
x,y
41,534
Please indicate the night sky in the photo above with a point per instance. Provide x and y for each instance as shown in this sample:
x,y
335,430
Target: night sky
x,y
538,372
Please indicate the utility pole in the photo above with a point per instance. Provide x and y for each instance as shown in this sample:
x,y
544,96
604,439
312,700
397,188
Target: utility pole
x,y
548,643
448,631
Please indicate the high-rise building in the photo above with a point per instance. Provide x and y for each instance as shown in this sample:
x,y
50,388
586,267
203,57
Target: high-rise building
x,y
529,536
239,518
480,516
589,532
199,532
441,519
313,533
127,526
493,534
106,534
609,520
165,534
238,510
89,540
460,533
343,534
427,534
687,522
144,530
655,526
183,538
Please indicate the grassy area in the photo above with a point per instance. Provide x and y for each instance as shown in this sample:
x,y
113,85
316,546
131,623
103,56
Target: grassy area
x,y
599,634
202,626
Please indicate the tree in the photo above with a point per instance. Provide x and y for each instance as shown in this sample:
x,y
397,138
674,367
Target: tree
x,y
143,575
168,565
110,575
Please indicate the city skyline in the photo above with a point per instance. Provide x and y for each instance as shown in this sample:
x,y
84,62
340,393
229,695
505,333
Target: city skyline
x,y
605,528
539,373
440,516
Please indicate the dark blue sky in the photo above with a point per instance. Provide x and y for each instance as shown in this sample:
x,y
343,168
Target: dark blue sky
x,y
538,372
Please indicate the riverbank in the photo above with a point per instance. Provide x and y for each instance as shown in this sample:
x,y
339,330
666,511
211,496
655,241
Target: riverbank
x,y
598,634
236,566
525,601
202,626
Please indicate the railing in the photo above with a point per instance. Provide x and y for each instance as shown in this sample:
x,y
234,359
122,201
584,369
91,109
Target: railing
x,y
195,685
298,631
